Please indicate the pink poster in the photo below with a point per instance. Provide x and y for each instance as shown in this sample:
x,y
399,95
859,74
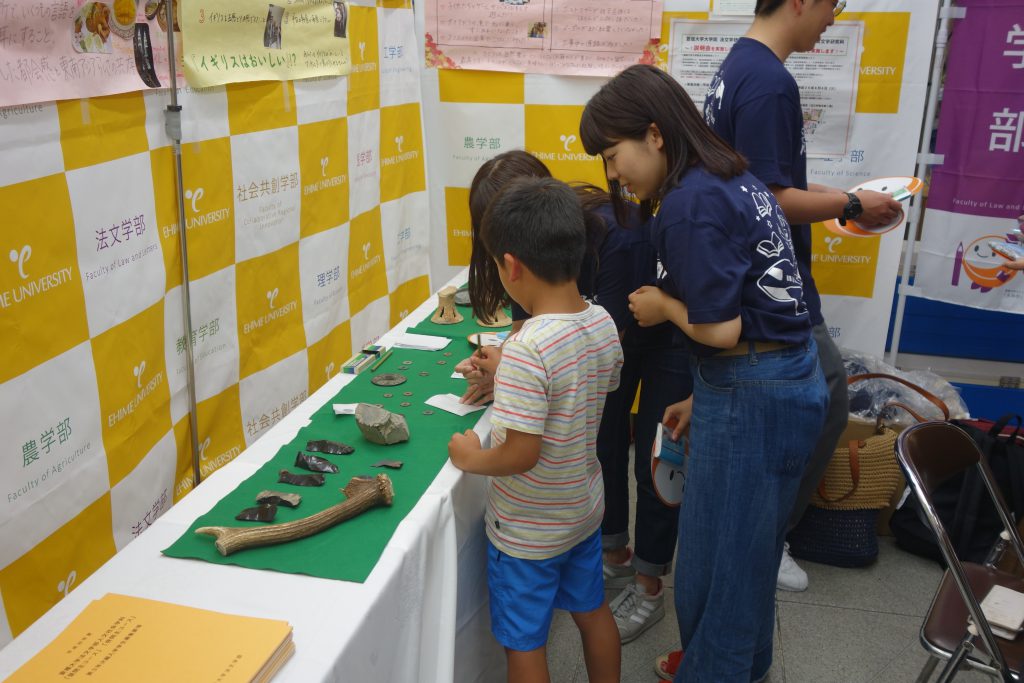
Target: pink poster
x,y
65,49
566,37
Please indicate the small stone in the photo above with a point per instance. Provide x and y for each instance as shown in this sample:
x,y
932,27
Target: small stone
x,y
381,426
290,500
424,374
442,362
405,404
428,412
406,393
406,362
264,512
388,395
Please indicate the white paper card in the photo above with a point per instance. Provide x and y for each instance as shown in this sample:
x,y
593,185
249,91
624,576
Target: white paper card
x,y
421,342
450,403
345,408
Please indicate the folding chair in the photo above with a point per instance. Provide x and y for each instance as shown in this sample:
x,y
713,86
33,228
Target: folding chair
x,y
955,629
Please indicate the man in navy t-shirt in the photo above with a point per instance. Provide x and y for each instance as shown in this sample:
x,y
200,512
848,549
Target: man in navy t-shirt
x,y
754,104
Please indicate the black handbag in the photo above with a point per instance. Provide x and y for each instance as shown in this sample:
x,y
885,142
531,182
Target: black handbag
x,y
965,509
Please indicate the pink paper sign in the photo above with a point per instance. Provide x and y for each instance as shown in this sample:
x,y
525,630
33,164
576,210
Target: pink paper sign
x,y
568,37
65,49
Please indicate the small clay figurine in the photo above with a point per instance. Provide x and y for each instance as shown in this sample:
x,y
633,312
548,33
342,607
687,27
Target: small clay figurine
x,y
496,319
446,313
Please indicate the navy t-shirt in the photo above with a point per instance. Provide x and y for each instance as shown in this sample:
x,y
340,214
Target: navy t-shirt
x,y
626,260
728,251
753,103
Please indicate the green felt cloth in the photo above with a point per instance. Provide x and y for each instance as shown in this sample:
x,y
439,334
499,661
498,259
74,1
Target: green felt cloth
x,y
349,550
458,331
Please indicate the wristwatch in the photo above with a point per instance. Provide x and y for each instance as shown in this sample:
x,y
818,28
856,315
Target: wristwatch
x,y
852,210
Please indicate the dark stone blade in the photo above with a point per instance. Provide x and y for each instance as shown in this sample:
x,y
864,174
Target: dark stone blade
x,y
260,513
329,447
289,500
286,477
314,464
392,464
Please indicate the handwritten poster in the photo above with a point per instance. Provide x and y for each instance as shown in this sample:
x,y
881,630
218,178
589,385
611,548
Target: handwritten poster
x,y
233,41
66,49
826,75
568,37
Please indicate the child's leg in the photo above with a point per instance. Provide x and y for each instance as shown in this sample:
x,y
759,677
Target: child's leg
x,y
528,667
601,649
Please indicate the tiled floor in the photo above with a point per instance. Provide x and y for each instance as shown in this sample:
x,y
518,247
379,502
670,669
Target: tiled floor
x,y
850,626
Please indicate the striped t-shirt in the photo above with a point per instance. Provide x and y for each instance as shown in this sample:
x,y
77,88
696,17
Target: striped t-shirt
x,y
552,380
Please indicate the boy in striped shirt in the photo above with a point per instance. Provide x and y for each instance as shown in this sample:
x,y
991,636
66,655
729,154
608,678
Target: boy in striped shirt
x,y
546,497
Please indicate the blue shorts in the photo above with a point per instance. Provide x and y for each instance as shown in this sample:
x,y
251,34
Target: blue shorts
x,y
525,593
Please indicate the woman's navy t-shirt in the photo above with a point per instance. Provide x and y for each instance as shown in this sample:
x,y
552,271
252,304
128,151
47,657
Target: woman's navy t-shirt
x,y
626,260
728,252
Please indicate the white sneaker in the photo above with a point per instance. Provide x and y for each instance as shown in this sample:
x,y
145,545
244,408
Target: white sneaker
x,y
635,611
619,575
791,577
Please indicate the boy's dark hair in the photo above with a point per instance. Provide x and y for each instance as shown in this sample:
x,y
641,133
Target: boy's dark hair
x,y
540,222
624,109
486,292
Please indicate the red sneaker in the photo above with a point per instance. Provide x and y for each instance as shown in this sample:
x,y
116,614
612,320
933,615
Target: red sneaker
x,y
667,663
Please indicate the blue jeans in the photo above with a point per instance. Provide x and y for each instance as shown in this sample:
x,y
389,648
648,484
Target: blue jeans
x,y
665,377
756,418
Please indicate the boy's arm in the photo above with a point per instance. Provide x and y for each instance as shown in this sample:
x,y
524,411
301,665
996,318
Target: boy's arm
x,y
519,453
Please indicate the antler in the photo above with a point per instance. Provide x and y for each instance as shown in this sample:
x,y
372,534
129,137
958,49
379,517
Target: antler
x,y
361,494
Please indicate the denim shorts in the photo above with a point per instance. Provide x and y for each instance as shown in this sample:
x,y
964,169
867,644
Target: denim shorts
x,y
525,593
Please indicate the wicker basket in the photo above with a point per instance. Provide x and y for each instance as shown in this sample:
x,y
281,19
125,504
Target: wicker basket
x,y
841,538
862,476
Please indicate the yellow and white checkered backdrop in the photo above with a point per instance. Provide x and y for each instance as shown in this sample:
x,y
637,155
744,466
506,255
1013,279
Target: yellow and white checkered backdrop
x,y
305,205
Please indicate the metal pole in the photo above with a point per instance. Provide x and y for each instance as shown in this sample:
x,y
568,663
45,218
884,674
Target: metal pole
x,y
173,128
923,150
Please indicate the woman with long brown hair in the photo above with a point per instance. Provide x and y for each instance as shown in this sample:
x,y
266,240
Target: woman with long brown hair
x,y
733,289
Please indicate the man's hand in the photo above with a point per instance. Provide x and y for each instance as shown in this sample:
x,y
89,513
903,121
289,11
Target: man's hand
x,y
879,208
647,305
461,447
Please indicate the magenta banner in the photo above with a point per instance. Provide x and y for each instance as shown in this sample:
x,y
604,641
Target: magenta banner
x,y
981,124
978,191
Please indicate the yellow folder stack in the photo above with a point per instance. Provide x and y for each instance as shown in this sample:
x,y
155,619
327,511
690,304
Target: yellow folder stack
x,y
120,638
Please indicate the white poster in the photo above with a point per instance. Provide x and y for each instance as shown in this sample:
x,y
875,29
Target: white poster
x,y
827,75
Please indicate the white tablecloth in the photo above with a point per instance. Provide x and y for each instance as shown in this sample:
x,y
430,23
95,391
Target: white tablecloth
x,y
422,614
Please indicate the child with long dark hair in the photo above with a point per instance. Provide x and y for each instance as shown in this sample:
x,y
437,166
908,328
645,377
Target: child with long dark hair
x,y
758,403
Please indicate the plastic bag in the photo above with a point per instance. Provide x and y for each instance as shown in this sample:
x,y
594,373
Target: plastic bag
x,y
870,397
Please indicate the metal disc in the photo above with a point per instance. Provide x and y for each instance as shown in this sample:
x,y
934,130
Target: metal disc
x,y
389,379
